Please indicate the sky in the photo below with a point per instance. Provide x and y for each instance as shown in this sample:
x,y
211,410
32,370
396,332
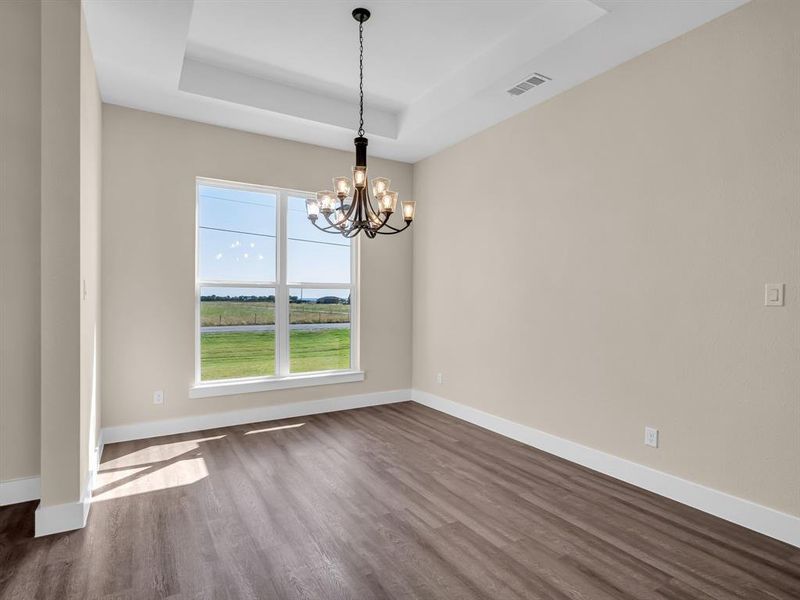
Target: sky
x,y
237,243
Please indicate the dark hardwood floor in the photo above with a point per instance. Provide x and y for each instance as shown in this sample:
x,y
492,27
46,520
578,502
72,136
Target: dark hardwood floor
x,y
396,501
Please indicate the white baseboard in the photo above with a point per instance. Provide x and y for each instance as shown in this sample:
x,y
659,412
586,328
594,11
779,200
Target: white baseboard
x,y
71,515
64,517
748,514
149,429
24,489
61,517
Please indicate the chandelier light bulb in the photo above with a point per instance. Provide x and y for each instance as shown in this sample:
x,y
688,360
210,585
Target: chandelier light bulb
x,y
409,208
359,177
342,186
388,202
326,201
379,186
312,209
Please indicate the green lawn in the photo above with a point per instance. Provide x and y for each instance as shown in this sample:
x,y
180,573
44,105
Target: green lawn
x,y
263,313
319,350
252,354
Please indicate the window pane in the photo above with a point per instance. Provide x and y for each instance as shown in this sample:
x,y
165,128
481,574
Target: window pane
x,y
237,333
319,331
236,234
313,255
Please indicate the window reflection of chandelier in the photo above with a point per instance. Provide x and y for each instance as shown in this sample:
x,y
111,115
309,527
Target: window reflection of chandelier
x,y
349,215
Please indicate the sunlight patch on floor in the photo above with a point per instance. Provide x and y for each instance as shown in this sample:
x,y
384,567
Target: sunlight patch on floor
x,y
156,467
111,485
155,453
278,428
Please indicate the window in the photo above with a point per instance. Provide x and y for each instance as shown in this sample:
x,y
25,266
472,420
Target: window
x,y
276,297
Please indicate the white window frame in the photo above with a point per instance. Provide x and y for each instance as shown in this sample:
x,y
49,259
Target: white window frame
x,y
283,378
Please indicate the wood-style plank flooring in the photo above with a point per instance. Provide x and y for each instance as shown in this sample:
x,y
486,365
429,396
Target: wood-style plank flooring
x,y
395,501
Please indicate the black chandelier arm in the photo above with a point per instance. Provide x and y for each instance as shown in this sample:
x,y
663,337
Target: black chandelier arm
x,y
352,208
332,228
371,212
384,224
338,225
352,232
394,230
325,229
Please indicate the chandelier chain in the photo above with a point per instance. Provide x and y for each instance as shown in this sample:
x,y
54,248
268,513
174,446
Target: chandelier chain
x,y
361,78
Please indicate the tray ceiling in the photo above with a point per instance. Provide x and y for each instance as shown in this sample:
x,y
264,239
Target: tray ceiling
x,y
435,72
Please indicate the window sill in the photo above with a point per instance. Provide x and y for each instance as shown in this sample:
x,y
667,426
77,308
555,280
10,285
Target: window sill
x,y
244,386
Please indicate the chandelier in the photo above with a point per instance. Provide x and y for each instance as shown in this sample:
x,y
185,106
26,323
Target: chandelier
x,y
347,214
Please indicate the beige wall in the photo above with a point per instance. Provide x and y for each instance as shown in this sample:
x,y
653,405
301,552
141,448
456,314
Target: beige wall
x,y
60,247
90,188
19,239
150,163
70,197
597,264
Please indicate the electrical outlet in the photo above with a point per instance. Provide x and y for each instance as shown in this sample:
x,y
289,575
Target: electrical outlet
x,y
158,397
651,437
439,378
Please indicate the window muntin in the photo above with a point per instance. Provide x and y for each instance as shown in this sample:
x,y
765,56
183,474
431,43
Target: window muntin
x,y
256,251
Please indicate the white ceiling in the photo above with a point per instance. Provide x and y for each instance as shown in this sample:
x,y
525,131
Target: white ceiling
x,y
436,72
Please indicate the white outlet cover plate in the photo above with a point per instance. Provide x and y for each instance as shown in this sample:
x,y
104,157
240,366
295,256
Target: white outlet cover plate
x,y
651,437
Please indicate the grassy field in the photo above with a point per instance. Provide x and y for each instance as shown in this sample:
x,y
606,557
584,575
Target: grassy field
x,y
263,313
252,354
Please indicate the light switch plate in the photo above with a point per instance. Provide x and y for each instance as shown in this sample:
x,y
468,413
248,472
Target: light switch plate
x,y
158,397
773,294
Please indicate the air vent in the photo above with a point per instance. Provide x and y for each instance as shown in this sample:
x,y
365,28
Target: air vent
x,y
531,82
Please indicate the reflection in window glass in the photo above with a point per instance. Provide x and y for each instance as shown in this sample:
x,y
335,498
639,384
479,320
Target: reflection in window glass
x,y
237,332
319,330
236,234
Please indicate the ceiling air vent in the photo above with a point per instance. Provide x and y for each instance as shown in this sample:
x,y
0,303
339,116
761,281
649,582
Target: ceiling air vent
x,y
528,84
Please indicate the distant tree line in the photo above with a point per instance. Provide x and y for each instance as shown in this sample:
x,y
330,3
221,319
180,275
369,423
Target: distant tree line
x,y
333,300
323,300
271,298
215,298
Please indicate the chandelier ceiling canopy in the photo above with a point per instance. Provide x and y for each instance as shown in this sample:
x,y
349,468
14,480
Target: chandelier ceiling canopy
x,y
349,210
